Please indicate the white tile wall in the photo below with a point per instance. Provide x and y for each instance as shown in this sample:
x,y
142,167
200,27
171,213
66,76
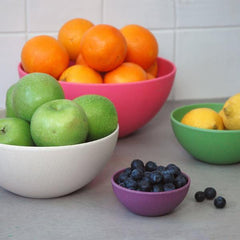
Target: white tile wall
x,y
200,36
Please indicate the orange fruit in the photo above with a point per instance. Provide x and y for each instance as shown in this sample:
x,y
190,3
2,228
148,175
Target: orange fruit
x,y
126,72
153,69
81,74
150,76
103,47
80,60
70,35
44,54
142,45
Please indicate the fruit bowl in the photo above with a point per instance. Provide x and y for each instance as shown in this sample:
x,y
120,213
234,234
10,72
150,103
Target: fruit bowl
x,y
136,103
47,172
211,146
149,203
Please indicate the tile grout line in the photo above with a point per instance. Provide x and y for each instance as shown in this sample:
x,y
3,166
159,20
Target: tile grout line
x,y
174,44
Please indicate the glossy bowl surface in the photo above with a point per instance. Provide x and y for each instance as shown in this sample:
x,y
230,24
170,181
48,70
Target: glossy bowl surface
x,y
136,103
47,172
211,146
149,203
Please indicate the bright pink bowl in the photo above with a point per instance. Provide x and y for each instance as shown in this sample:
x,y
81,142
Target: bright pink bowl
x,y
136,103
149,203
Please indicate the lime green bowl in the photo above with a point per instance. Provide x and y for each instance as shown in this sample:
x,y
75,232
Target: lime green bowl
x,y
211,146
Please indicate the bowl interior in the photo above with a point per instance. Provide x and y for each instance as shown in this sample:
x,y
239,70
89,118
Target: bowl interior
x,y
211,146
149,203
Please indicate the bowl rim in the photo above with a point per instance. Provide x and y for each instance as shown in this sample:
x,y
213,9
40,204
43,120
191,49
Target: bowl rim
x,y
174,120
174,69
53,148
114,184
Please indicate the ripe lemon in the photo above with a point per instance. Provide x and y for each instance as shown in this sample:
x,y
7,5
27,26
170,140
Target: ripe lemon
x,y
101,114
203,118
230,113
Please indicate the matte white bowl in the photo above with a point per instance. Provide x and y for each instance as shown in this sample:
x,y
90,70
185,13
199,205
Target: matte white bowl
x,y
47,172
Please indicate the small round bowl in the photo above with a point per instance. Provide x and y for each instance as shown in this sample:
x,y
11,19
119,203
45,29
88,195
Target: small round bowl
x,y
47,172
149,203
211,146
136,103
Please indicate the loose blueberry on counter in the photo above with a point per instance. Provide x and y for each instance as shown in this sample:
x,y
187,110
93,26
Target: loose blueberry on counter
x,y
137,163
220,202
199,196
210,193
150,166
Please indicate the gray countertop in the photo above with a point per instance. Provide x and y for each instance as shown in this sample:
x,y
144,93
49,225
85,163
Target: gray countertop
x,y
93,212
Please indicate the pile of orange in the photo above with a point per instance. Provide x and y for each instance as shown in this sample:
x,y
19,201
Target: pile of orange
x,y
88,53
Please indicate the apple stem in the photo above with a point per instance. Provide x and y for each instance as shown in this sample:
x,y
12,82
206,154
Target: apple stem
x,y
3,130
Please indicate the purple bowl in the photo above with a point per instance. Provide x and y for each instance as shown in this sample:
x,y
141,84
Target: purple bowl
x,y
149,203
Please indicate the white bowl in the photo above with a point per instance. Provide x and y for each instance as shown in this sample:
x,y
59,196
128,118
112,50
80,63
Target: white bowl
x,y
47,172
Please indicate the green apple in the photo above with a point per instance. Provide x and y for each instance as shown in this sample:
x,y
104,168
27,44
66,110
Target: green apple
x,y
15,131
58,123
101,113
10,112
32,91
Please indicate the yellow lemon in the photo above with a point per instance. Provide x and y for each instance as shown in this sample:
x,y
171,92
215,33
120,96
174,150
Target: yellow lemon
x,y
203,118
230,113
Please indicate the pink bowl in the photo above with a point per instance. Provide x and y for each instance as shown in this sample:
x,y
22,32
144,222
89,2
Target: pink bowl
x,y
136,103
149,203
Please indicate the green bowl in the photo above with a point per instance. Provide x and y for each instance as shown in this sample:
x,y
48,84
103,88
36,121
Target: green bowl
x,y
211,146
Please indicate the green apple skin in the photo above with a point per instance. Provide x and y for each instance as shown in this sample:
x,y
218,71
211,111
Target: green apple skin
x,y
58,123
101,113
10,112
32,91
15,131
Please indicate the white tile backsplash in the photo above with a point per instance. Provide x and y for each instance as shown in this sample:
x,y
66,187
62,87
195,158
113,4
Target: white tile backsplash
x,y
12,15
45,15
208,62
207,13
10,48
148,13
200,36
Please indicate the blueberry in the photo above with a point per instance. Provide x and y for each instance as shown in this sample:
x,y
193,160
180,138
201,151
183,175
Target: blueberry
x,y
128,171
168,177
122,177
160,168
157,188
168,187
121,184
137,173
173,169
130,184
147,174
155,177
199,196
220,202
210,193
180,181
150,166
137,163
144,185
